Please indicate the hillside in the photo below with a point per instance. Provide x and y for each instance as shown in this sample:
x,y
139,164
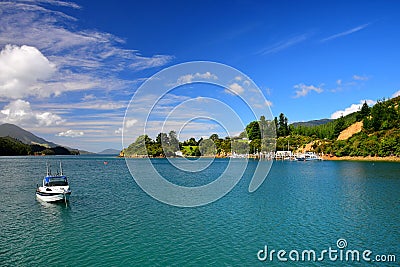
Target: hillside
x,y
369,132
109,151
22,135
15,141
13,147
351,130
311,123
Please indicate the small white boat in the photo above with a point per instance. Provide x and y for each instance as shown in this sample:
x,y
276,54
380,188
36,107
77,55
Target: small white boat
x,y
54,187
308,156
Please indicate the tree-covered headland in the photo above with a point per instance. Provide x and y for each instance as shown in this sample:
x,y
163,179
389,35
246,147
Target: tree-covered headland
x,y
379,136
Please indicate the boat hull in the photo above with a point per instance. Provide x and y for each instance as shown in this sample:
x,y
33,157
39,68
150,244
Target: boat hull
x,y
55,197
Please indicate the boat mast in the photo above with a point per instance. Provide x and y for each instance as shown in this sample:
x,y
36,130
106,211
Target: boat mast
x,y
61,169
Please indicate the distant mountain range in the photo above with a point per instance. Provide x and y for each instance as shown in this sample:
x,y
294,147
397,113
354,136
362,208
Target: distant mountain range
x,y
28,138
109,151
23,136
311,123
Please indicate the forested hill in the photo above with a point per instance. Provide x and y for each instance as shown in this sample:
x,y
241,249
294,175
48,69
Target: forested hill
x,y
311,123
13,147
23,136
15,141
379,135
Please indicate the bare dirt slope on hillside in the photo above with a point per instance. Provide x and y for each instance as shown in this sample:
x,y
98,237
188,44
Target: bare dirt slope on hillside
x,y
349,131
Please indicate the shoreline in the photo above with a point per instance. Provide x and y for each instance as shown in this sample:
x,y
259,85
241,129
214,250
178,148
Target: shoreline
x,y
328,158
361,158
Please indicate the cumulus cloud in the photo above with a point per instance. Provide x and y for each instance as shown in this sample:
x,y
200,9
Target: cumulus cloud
x,y
188,78
36,23
71,133
83,57
23,71
303,90
20,112
353,108
118,131
130,123
234,89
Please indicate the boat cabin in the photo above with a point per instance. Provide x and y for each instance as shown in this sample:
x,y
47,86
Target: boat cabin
x,y
55,181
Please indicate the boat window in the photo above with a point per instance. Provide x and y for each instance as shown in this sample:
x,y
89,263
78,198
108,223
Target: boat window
x,y
58,181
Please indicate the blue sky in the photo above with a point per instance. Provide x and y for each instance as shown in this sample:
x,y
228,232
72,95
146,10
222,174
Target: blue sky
x,y
69,69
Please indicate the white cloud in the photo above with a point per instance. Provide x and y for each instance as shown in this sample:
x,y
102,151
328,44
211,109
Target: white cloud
x,y
268,103
188,78
51,31
234,89
339,82
118,131
92,105
88,97
142,63
360,78
20,112
282,45
353,108
84,58
303,89
23,71
71,133
246,82
129,123
396,94
353,30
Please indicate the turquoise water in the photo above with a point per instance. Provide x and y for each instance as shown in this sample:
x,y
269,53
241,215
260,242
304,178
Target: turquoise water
x,y
110,221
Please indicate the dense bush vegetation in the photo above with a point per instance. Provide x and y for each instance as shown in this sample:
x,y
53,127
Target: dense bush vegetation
x,y
380,136
12,147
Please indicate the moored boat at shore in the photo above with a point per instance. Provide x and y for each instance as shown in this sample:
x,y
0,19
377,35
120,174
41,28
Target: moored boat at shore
x,y
308,156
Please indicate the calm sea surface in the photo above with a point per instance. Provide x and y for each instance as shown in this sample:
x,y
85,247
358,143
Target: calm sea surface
x,y
110,221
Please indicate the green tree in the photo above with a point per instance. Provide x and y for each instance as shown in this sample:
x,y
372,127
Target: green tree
x,y
255,145
339,126
214,137
225,145
190,142
364,112
139,147
253,130
162,138
173,141
207,147
282,127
